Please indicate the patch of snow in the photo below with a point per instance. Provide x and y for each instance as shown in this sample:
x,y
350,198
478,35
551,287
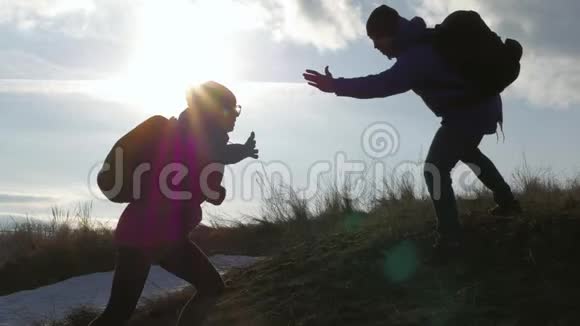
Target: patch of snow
x,y
54,301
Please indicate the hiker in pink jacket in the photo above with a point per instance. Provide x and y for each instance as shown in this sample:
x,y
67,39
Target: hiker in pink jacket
x,y
186,169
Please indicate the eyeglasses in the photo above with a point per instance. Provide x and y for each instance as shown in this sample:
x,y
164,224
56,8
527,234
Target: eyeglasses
x,y
236,110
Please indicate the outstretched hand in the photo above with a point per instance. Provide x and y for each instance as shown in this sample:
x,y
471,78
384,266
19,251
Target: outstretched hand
x,y
250,146
324,82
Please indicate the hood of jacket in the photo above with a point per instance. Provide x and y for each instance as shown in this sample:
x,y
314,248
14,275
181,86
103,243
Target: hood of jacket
x,y
410,32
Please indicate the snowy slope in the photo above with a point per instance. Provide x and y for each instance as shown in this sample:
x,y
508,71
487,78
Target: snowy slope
x,y
54,301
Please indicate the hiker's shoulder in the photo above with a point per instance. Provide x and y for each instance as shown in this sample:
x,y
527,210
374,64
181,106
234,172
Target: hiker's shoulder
x,y
419,57
419,50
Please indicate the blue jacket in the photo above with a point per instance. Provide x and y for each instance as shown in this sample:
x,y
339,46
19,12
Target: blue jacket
x,y
420,69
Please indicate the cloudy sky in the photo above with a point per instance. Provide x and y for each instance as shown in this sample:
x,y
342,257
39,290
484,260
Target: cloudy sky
x,y
75,75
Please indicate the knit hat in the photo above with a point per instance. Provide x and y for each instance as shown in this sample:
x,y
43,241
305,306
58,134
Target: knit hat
x,y
210,94
383,22
208,104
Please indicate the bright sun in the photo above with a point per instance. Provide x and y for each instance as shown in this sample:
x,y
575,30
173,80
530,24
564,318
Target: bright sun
x,y
179,44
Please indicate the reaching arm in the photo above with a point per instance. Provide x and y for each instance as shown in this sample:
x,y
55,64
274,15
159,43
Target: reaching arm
x,y
389,82
402,77
234,153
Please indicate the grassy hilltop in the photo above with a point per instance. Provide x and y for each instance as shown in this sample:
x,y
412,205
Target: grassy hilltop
x,y
378,268
334,263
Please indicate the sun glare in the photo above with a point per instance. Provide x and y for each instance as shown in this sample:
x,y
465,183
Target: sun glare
x,y
179,44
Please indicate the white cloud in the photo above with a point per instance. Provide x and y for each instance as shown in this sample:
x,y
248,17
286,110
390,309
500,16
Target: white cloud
x,y
42,13
98,35
65,39
21,10
22,65
325,24
548,30
550,80
103,19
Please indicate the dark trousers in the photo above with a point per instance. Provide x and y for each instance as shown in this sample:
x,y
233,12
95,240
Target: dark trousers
x,y
187,262
449,146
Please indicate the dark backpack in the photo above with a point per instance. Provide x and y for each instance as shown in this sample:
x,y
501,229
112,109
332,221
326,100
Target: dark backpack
x,y
140,145
478,54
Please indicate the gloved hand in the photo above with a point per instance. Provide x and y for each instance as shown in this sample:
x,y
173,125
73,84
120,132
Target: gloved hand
x,y
250,147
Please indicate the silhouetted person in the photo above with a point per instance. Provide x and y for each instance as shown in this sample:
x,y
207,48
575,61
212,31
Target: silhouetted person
x,y
421,69
155,228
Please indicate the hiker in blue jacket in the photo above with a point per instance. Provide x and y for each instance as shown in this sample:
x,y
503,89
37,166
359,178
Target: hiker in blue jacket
x,y
464,123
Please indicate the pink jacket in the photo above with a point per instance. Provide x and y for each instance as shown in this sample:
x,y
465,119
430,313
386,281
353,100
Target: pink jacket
x,y
157,222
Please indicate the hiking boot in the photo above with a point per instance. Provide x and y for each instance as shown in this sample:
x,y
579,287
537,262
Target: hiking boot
x,y
507,210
